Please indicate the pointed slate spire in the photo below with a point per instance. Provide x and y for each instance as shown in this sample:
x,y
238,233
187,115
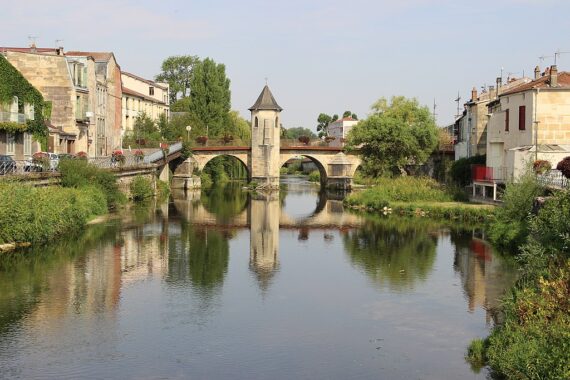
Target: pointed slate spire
x,y
266,101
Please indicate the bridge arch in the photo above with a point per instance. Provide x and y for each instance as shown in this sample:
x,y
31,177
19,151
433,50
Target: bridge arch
x,y
321,166
202,159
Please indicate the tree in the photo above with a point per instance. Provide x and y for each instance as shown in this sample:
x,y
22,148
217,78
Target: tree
x,y
210,96
324,120
398,133
295,133
177,71
349,114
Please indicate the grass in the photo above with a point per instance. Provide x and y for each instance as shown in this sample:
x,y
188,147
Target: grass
x,y
418,196
38,215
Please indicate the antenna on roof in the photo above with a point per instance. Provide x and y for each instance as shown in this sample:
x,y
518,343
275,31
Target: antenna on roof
x,y
266,81
543,57
32,39
458,99
558,53
58,43
434,107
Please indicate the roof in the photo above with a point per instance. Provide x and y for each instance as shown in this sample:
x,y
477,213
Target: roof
x,y
128,91
148,81
98,56
29,50
265,101
542,82
344,119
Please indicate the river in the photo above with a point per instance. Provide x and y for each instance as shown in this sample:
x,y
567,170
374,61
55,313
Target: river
x,y
225,284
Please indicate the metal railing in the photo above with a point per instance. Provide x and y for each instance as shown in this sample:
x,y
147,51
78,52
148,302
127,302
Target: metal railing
x,y
553,178
108,162
14,167
159,155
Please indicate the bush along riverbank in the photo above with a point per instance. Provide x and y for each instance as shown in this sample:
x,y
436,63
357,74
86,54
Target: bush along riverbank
x,y
418,196
533,341
36,215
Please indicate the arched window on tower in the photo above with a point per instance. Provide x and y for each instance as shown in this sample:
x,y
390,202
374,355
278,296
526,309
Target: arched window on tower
x,y
256,123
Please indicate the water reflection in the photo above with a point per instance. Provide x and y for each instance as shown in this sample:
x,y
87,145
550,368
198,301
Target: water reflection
x,y
394,253
185,278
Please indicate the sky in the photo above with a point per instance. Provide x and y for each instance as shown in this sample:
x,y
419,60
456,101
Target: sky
x,y
318,56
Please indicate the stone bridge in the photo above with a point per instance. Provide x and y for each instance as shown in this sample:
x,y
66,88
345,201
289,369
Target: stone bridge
x,y
265,157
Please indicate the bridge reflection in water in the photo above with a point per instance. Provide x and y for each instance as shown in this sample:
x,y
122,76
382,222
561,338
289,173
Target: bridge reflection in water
x,y
264,215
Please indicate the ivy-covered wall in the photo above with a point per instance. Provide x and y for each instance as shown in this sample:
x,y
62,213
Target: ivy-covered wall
x,y
12,83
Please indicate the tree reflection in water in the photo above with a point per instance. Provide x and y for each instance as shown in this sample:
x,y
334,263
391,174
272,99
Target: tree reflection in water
x,y
393,252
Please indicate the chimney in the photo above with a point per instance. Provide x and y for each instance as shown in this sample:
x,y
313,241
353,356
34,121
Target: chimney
x,y
536,72
33,48
473,94
492,93
553,76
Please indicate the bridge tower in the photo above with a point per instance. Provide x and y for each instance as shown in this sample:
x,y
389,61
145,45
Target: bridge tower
x,y
265,139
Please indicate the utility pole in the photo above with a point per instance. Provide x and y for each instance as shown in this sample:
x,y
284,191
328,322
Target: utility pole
x,y
457,100
434,114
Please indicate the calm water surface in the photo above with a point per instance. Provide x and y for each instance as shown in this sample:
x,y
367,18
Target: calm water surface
x,y
227,285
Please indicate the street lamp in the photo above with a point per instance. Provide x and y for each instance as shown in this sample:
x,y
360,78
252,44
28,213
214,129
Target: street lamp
x,y
188,129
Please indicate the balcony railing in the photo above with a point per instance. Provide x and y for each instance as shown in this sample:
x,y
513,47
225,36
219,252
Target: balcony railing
x,y
482,173
13,117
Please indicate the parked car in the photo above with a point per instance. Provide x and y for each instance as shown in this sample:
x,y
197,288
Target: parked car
x,y
7,164
34,164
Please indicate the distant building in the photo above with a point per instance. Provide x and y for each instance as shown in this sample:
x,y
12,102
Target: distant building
x,y
339,130
142,96
471,126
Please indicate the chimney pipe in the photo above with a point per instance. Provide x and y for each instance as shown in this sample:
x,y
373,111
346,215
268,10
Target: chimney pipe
x,y
474,94
33,48
536,72
492,93
553,76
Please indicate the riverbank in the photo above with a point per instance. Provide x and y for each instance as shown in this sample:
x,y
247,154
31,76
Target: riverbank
x,y
423,197
533,341
36,215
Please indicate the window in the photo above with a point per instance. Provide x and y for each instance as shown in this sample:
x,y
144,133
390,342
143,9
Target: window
x,y
27,144
506,120
522,118
256,124
10,144
151,90
276,122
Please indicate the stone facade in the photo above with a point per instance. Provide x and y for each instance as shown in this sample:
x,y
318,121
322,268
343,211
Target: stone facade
x,y
339,130
50,75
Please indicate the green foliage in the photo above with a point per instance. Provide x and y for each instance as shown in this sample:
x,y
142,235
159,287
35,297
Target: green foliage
x,y
13,127
534,341
418,196
476,354
323,123
162,189
177,72
210,96
510,228
398,134
349,114
295,133
12,83
551,227
564,167
461,169
79,174
225,168
141,188
206,180
40,214
315,176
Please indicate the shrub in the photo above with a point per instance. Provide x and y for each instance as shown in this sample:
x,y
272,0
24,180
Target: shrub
x,y
511,225
81,155
315,176
162,189
564,166
80,173
461,169
141,188
551,227
304,139
201,140
476,354
41,159
541,166
206,180
38,215
118,156
226,139
139,155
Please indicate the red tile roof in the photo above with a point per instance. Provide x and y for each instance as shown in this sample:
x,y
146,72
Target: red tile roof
x,y
542,82
98,56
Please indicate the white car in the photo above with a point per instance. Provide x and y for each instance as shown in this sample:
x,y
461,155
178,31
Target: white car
x,y
31,166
